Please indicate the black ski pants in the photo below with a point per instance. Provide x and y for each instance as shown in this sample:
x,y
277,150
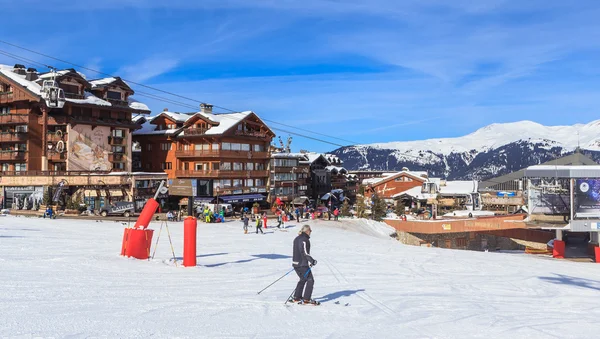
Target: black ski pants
x,y
259,228
305,279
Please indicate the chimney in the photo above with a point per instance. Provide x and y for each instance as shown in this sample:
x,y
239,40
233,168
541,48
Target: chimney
x,y
19,69
165,109
206,108
31,75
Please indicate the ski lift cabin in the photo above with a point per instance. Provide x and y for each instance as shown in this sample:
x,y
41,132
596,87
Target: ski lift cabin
x,y
52,94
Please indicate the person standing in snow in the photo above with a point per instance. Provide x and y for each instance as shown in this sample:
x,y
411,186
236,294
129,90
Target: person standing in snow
x,y
259,226
302,262
336,213
245,220
297,212
264,219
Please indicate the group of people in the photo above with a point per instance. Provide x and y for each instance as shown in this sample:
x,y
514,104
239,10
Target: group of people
x,y
174,216
209,216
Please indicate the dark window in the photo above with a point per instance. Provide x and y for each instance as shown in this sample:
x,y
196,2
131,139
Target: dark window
x,y
113,95
70,89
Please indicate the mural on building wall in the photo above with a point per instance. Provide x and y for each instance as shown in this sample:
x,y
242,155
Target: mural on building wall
x,y
88,149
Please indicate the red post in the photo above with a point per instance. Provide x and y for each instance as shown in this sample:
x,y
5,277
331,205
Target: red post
x,y
146,216
597,253
190,225
136,243
558,250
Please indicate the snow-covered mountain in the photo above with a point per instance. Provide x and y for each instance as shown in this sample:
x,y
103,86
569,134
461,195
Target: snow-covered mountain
x,y
490,151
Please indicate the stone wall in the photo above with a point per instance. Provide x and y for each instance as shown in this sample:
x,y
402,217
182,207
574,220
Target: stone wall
x,y
475,241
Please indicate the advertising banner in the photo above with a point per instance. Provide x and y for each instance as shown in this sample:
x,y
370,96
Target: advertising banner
x,y
587,198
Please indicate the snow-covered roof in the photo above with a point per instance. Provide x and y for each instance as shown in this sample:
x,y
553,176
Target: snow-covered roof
x,y
150,129
312,157
139,118
415,174
288,155
136,105
177,117
416,193
563,171
20,79
336,168
225,120
89,98
62,72
332,158
458,187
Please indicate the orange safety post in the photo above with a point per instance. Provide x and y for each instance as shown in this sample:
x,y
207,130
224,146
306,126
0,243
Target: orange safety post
x,y
597,253
558,251
190,225
136,243
146,216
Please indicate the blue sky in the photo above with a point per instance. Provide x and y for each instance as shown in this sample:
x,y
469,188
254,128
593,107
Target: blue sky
x,y
363,71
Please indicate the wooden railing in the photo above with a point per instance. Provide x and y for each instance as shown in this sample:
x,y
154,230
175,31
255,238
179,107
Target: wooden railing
x,y
118,102
74,96
195,131
13,155
115,157
54,156
13,118
13,136
51,173
221,154
196,154
220,174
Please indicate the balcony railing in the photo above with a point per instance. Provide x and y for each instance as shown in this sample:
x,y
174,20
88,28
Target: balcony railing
x,y
6,96
197,154
194,131
56,156
117,102
13,136
116,140
12,155
52,136
116,157
50,173
220,174
74,96
54,120
13,119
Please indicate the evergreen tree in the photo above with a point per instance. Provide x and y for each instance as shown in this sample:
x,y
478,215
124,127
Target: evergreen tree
x,y
399,210
345,210
378,208
360,207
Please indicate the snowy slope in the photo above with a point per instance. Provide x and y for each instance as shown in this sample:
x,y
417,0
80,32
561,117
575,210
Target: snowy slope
x,y
490,151
64,278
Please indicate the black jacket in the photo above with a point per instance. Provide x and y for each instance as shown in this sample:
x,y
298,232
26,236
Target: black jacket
x,y
301,256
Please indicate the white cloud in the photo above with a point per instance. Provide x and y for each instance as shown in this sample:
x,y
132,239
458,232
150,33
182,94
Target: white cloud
x,y
148,68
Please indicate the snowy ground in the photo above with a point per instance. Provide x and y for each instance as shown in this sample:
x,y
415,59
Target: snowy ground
x,y
64,278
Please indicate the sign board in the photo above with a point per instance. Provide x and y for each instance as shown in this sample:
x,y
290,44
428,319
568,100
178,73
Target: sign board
x,y
446,227
587,198
181,187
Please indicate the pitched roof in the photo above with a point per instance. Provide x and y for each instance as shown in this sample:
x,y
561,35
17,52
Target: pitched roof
x,y
101,83
379,181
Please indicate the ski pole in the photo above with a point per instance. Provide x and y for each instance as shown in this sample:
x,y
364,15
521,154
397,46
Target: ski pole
x,y
275,281
305,275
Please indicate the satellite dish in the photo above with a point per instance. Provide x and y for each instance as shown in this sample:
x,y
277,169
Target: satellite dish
x,y
163,190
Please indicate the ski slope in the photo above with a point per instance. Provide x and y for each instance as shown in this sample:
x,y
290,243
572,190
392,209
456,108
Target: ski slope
x,y
65,279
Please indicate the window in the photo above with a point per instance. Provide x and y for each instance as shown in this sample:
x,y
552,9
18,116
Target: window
x,y
259,148
5,167
215,166
165,146
249,182
113,95
285,162
226,166
226,183
249,166
226,146
21,129
259,182
119,133
215,147
21,147
20,167
259,166
118,149
246,147
4,110
236,147
461,242
118,165
149,147
238,183
201,166
167,165
171,126
237,166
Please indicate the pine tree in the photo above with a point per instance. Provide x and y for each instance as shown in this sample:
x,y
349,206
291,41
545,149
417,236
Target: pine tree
x,y
378,208
399,210
360,207
345,210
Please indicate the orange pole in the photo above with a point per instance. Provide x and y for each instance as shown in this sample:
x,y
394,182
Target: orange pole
x,y
146,216
190,225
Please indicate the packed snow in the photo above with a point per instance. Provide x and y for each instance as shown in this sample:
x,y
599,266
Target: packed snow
x,y
499,134
65,278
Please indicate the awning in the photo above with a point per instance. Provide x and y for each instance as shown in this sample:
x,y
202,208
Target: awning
x,y
299,201
242,198
203,200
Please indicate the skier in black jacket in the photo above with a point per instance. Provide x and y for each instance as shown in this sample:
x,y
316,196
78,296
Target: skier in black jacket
x,y
302,262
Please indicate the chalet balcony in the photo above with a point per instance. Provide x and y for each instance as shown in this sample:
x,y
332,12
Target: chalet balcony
x,y
17,119
54,120
13,155
50,173
74,96
244,154
56,156
116,140
116,157
53,137
13,136
195,131
6,96
197,154
220,174
117,102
